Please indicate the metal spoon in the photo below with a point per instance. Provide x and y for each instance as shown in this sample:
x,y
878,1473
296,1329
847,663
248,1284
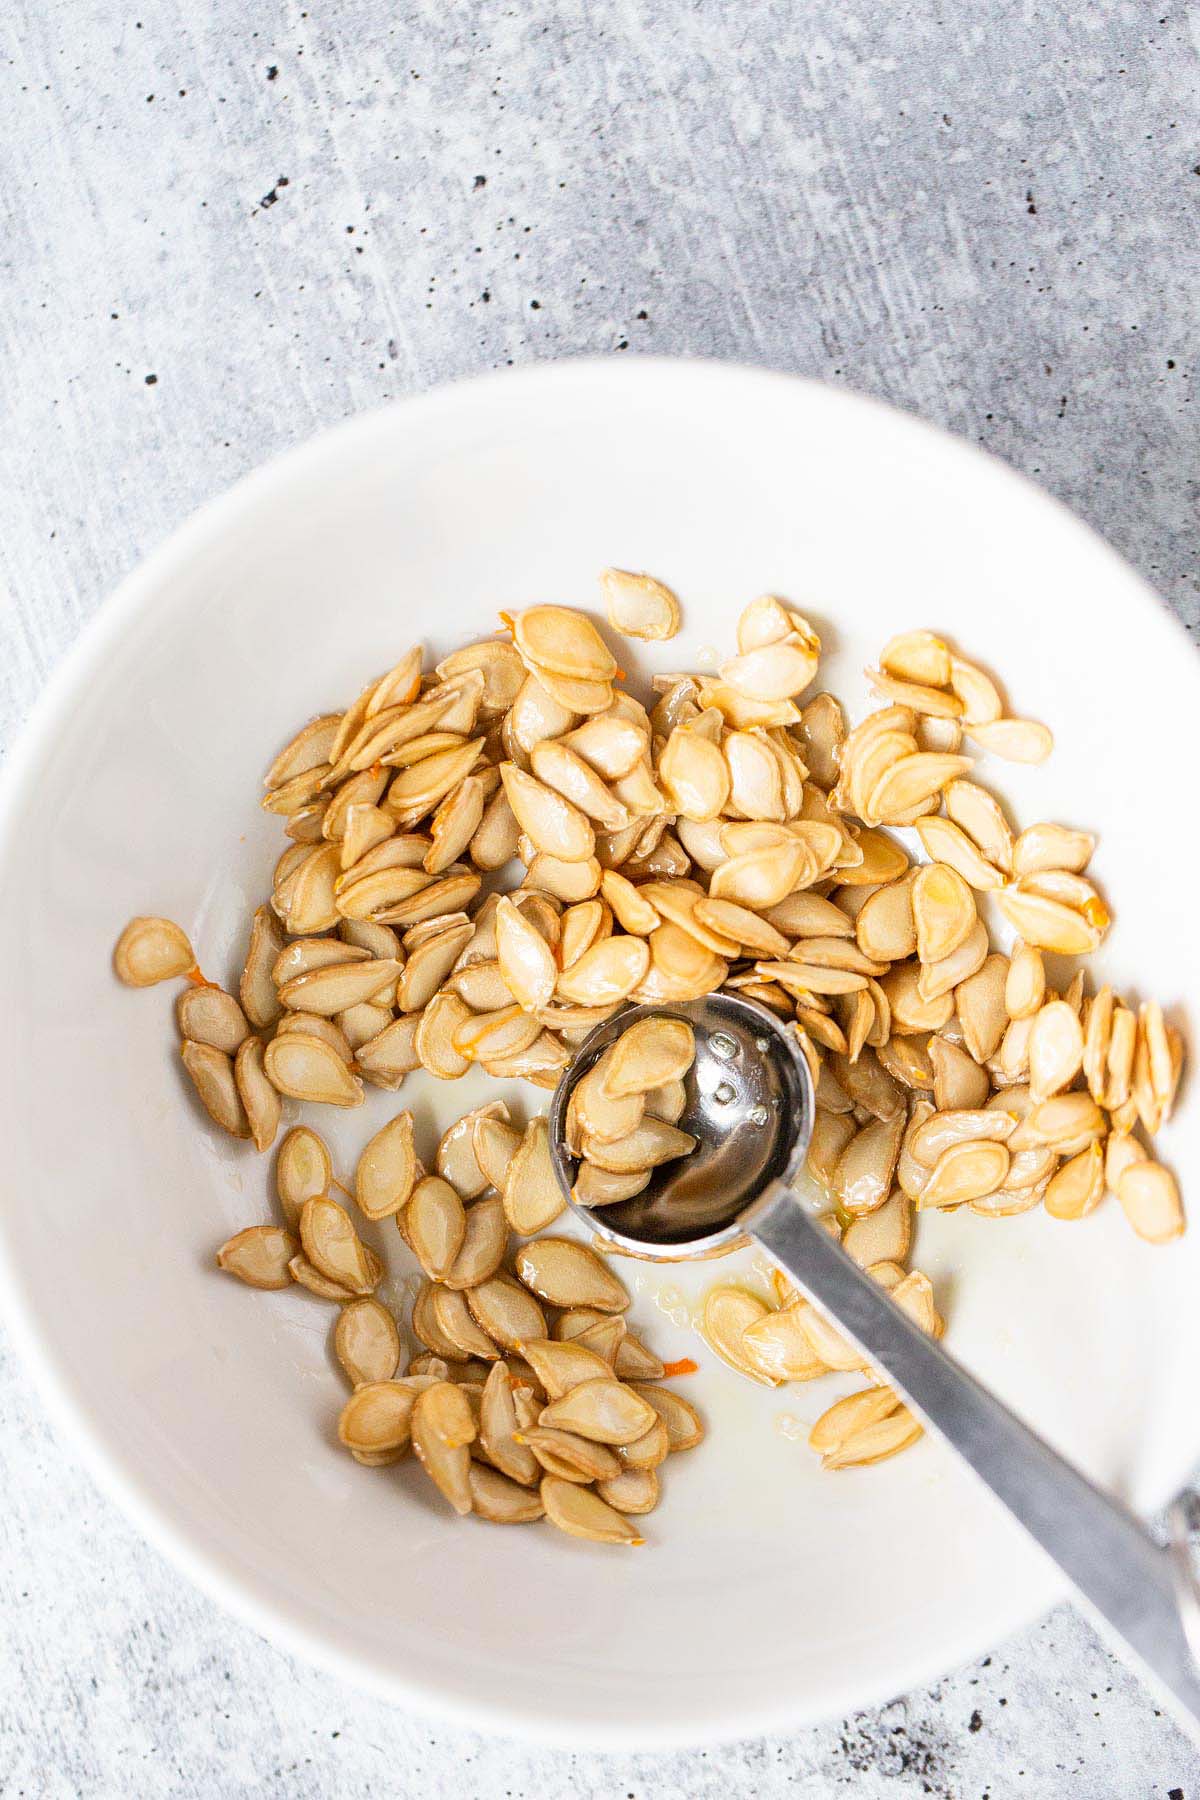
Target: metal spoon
x,y
750,1106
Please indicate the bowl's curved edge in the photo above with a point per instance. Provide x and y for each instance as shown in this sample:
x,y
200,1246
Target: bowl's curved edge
x,y
68,1412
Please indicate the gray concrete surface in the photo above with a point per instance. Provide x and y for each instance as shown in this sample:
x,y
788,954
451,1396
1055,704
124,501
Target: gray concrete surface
x,y
229,224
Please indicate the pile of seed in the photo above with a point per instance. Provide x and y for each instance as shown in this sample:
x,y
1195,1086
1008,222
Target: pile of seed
x,y
531,1398
732,836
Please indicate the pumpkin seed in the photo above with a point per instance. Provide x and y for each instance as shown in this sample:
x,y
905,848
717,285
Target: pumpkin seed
x,y
727,1314
507,1312
151,950
259,1098
259,1256
947,842
650,1053
569,1457
566,1273
501,1501
452,1320
1016,740
434,1033
302,1170
333,1246
307,1275
1150,1201
533,1198
442,1430
434,1225
583,1514
1078,1187
1055,1049
213,1077
366,1342
385,1060
307,1068
602,1410
640,607
260,1001
607,973
652,1142
594,1186
862,1179
494,1144
378,1416
965,1171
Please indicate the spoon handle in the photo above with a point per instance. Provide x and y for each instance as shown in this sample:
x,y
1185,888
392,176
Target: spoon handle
x,y
1128,1582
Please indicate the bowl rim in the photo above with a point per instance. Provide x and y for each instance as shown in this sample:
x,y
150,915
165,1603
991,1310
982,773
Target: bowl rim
x,y
201,1564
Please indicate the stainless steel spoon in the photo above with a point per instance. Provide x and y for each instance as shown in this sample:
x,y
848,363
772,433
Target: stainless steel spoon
x,y
750,1106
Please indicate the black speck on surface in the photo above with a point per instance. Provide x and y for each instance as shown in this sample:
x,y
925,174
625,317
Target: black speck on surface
x,y
1030,204
975,1722
273,72
151,380
480,181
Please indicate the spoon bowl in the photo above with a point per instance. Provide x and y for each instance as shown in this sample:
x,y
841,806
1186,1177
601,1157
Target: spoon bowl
x,y
749,1105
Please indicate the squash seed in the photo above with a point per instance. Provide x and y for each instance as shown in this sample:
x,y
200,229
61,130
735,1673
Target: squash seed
x,y
498,1426
302,1171
366,1342
377,1417
151,950
652,1052
633,1491
259,1256
208,1015
849,1416
640,607
566,1273
943,909
966,1171
333,1246
602,1410
213,1077
651,1143
507,1312
442,1430
594,1186
1150,1201
683,1424
307,1275
862,1179
568,1456
452,1320
256,989
533,1198
434,1225
1055,1049
501,1501
727,1313
583,1514
526,962
307,1068
1078,1187
260,1099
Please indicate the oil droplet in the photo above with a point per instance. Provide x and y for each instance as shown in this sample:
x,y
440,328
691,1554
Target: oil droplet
x,y
790,1427
725,1093
758,1115
708,656
722,1045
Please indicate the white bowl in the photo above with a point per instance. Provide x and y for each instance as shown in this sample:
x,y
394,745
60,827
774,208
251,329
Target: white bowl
x,y
771,1593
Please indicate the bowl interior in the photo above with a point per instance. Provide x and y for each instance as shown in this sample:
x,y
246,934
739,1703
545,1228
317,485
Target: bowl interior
x,y
770,1592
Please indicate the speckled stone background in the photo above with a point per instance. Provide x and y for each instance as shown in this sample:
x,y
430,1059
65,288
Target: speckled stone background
x,y
229,224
